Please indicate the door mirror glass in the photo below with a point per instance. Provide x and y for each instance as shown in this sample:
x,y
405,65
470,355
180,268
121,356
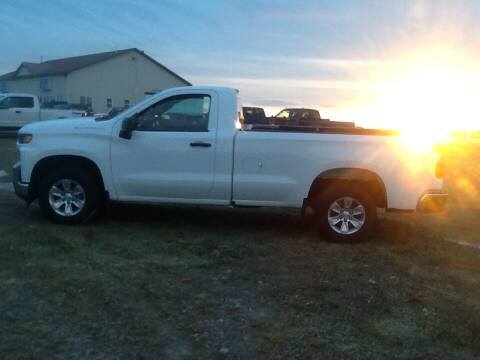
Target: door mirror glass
x,y
128,126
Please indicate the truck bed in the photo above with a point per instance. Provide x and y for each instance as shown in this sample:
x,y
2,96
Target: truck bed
x,y
320,130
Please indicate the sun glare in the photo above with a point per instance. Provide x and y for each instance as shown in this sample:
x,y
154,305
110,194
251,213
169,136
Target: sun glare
x,y
426,97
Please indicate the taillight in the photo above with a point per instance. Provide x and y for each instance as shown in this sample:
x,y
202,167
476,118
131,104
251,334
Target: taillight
x,y
439,170
84,114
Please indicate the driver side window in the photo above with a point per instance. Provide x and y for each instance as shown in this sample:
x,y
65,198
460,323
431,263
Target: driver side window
x,y
187,113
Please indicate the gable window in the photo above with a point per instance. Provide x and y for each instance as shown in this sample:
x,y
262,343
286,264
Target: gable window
x,y
44,84
188,113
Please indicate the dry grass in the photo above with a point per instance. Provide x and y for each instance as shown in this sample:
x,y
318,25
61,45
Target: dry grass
x,y
8,156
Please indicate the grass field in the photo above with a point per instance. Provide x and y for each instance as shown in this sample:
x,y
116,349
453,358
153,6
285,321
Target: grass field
x,y
187,282
8,156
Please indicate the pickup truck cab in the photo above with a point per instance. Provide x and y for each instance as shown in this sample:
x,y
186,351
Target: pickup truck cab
x,y
254,115
188,146
17,110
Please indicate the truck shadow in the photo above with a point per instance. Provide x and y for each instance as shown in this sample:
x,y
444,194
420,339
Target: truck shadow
x,y
283,224
206,217
276,222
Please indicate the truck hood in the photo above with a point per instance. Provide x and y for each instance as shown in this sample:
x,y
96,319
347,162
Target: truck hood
x,y
70,125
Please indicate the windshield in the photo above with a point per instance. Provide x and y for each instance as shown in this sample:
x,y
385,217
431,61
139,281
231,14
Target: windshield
x,y
283,114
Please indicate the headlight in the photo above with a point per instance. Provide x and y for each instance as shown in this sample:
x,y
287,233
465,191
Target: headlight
x,y
25,138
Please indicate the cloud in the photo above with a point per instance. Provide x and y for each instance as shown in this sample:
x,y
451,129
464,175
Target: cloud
x,y
274,103
284,83
344,63
294,11
419,9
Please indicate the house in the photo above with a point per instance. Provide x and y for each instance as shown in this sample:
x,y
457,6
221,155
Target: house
x,y
102,81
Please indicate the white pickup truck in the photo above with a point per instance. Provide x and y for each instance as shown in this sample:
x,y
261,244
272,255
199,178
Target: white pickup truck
x,y
187,145
17,110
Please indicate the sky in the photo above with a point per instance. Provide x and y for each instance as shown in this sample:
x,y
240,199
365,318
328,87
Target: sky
x,y
375,62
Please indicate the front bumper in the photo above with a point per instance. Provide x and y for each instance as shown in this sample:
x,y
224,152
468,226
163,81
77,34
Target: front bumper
x,y
433,201
21,189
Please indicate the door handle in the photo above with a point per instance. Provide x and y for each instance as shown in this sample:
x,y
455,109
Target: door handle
x,y
200,144
17,111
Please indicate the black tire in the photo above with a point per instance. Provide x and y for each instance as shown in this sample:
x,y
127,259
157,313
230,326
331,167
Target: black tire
x,y
336,194
93,195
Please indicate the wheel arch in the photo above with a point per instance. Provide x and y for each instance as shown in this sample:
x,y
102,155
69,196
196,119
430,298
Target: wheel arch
x,y
363,178
50,163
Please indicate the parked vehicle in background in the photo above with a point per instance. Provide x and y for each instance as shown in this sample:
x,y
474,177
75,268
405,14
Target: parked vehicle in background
x,y
51,104
84,109
17,110
297,117
254,115
187,145
111,114
306,117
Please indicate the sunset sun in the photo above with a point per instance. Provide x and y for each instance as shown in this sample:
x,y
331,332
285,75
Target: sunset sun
x,y
426,96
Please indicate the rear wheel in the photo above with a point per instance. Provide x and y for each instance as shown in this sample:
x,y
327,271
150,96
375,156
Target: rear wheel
x,y
70,196
345,214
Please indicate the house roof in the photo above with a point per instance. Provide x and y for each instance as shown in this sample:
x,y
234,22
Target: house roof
x,y
67,65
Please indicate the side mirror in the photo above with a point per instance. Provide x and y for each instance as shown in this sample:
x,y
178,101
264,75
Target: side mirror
x,y
128,126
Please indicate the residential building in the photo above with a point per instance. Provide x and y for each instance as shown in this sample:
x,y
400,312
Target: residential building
x,y
102,81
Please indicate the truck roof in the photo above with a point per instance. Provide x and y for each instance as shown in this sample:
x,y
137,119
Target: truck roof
x,y
16,94
219,89
295,109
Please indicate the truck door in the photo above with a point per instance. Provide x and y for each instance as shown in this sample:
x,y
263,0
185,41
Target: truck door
x,y
16,111
171,153
8,117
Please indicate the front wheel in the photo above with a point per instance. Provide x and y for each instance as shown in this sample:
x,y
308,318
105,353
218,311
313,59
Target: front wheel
x,y
69,196
345,214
